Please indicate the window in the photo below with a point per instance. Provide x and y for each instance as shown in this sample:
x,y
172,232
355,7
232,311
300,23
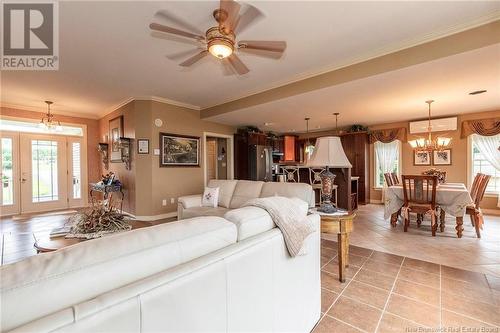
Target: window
x,y
76,172
387,159
480,164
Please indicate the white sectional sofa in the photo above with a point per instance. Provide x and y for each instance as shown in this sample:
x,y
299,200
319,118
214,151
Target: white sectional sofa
x,y
234,193
205,274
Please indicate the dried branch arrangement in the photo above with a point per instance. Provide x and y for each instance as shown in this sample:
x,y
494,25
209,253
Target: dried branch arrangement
x,y
97,221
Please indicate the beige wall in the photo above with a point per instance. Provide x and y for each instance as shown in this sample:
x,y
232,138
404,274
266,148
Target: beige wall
x,y
457,172
147,184
93,158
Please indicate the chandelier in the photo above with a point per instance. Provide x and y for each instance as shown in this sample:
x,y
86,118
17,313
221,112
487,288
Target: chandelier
x,y
48,122
429,144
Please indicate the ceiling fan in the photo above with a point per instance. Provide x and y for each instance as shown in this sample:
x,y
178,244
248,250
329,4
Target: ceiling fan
x,y
220,41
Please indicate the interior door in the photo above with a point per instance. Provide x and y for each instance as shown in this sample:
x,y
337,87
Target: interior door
x,y
44,173
9,173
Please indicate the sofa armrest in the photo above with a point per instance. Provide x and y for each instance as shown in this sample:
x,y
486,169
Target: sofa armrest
x,y
190,201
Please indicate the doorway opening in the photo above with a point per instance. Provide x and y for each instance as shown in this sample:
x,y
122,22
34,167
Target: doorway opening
x,y
218,161
41,172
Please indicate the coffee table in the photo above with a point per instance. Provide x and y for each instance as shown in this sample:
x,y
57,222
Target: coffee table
x,y
340,224
43,242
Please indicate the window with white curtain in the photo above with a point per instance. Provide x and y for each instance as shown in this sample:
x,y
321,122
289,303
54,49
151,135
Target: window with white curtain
x,y
485,158
387,159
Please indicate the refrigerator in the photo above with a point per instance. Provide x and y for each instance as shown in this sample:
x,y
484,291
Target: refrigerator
x,y
260,163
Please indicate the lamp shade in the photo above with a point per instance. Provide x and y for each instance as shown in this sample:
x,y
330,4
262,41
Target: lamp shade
x,y
328,152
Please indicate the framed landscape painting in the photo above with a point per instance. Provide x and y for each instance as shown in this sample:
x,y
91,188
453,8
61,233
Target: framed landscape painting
x,y
442,157
421,158
179,150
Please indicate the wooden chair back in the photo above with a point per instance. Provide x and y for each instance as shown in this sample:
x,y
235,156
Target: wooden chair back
x,y
388,179
314,175
420,190
475,186
485,179
395,178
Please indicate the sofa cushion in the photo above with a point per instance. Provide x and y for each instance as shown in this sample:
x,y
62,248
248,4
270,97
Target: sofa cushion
x,y
203,211
226,190
289,190
250,221
244,191
83,271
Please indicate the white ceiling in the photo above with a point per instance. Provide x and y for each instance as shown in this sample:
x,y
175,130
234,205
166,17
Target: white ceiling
x,y
390,97
108,54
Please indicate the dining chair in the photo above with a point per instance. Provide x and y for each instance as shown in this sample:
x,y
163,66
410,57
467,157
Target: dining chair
x,y
291,174
474,210
388,179
395,178
420,197
315,180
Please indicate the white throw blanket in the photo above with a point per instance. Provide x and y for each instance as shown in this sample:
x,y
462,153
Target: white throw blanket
x,y
290,219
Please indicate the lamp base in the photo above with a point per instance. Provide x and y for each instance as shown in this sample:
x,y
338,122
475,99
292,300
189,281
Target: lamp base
x,y
327,179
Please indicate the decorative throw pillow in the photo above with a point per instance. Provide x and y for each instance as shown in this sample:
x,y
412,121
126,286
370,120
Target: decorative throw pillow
x,y
210,197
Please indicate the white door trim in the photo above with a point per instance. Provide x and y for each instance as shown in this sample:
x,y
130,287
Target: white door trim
x,y
230,159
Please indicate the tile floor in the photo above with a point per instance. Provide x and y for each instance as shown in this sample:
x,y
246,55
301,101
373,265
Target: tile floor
x,y
372,231
384,292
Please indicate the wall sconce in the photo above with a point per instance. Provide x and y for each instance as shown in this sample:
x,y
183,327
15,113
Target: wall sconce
x,y
124,144
103,149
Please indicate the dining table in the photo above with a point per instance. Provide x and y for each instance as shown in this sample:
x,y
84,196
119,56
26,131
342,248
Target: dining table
x,y
451,198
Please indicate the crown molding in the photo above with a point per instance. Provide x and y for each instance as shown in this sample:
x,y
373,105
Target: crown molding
x,y
409,43
150,98
44,110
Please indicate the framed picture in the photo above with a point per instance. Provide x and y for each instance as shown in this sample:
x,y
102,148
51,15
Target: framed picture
x,y
421,158
142,146
179,150
442,157
115,132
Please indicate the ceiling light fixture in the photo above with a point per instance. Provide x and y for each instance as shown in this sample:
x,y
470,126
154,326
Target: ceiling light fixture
x,y
336,114
220,45
309,147
48,122
429,145
477,92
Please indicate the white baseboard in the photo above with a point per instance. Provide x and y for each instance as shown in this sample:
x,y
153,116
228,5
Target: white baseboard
x,y
373,201
495,212
148,218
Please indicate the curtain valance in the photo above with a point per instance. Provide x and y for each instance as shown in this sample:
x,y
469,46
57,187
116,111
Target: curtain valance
x,y
388,135
484,127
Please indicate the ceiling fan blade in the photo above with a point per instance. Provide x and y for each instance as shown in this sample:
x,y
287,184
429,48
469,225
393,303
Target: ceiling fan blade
x,y
271,46
194,59
237,64
169,17
249,17
227,69
183,54
232,9
174,31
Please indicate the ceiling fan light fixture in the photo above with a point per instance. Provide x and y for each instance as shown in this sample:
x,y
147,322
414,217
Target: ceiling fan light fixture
x,y
220,49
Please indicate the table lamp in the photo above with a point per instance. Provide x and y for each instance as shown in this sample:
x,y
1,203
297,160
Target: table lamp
x,y
328,152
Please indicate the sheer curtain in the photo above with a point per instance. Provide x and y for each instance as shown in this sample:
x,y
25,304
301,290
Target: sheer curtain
x,y
489,145
387,154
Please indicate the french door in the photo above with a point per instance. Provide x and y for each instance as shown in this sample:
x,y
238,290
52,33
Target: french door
x,y
45,172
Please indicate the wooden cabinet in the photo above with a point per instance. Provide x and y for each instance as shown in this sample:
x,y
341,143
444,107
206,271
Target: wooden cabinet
x,y
357,150
289,149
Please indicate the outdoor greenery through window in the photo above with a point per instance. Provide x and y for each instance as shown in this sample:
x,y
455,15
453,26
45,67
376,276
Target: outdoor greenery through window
x,y
387,157
481,164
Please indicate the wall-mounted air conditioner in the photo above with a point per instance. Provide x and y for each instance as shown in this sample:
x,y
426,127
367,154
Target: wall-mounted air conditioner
x,y
438,125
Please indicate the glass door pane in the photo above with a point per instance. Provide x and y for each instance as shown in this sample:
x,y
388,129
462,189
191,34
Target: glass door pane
x,y
44,171
7,172
76,170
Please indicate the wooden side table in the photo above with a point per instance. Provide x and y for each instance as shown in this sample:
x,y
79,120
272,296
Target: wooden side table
x,y
340,224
